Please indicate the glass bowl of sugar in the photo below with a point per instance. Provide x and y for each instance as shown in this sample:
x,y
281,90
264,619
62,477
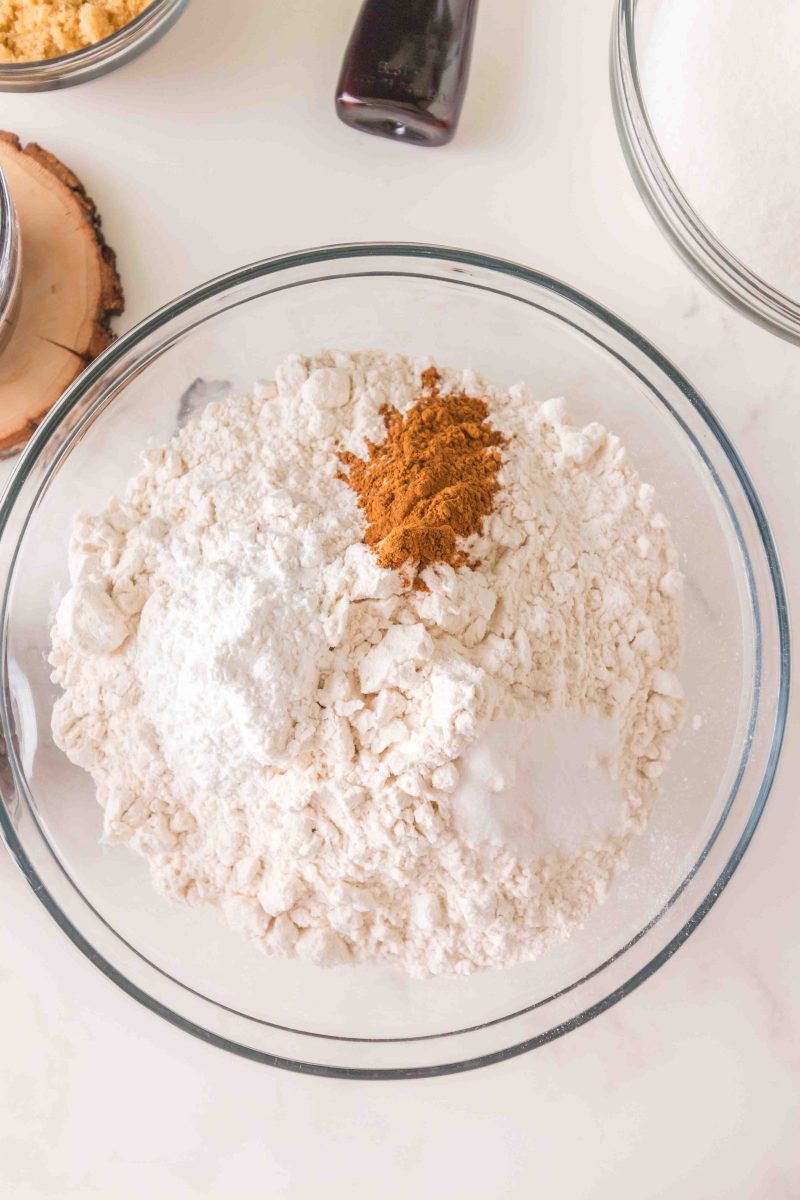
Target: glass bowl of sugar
x,y
508,323
707,102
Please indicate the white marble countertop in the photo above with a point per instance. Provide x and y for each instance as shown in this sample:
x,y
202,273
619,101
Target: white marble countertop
x,y
221,146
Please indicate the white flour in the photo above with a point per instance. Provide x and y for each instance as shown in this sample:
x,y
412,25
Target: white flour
x,y
722,90
280,726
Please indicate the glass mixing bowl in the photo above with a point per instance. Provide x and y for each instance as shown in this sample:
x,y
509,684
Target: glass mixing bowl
x,y
509,323
98,59
10,262
711,261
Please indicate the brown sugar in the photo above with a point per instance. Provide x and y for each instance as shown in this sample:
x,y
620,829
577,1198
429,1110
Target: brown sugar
x,y
430,482
32,30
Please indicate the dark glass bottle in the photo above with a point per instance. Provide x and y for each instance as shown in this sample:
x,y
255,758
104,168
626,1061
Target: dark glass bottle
x,y
405,71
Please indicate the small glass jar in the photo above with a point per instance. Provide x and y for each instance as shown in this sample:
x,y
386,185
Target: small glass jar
x,y
98,59
10,262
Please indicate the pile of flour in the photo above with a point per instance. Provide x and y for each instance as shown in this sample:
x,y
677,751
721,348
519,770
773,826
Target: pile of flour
x,y
290,733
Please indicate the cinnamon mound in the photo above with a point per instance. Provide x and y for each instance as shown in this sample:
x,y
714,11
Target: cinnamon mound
x,y
430,482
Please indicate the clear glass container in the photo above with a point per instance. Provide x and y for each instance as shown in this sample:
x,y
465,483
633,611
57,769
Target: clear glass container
x,y
697,244
512,324
112,52
10,262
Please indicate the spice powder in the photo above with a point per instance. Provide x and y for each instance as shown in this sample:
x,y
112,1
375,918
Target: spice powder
x,y
431,481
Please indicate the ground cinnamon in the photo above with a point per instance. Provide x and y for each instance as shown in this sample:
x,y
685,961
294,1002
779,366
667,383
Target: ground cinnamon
x,y
430,482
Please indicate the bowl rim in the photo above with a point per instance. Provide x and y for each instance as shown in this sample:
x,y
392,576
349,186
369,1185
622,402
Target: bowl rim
x,y
343,252
79,65
9,250
696,243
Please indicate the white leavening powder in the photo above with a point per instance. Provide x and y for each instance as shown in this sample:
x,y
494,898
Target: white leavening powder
x,y
338,762
722,89
540,788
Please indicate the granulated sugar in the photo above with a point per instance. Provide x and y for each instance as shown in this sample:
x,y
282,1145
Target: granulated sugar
x,y
294,734
722,90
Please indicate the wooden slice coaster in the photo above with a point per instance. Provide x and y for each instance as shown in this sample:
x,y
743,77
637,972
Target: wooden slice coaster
x,y
70,288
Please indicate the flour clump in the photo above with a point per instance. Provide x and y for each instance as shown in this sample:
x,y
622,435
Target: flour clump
x,y
323,746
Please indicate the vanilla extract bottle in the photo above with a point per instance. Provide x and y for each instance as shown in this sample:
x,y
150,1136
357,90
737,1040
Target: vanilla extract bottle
x,y
405,71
